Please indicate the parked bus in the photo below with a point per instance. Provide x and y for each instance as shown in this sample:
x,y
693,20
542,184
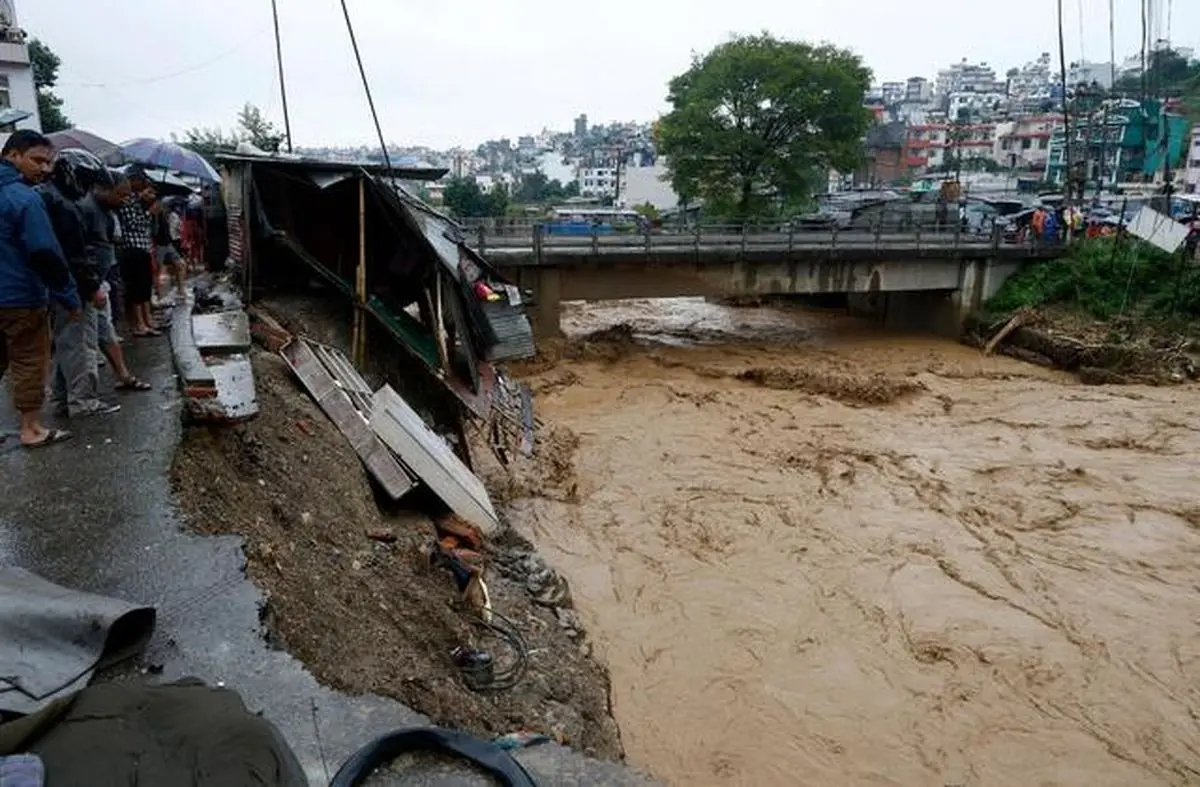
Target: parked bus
x,y
585,221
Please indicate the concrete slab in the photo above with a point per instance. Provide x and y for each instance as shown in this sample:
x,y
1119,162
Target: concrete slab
x,y
222,332
189,363
96,513
236,395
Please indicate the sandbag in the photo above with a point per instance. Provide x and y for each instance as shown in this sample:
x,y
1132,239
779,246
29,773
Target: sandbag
x,y
117,734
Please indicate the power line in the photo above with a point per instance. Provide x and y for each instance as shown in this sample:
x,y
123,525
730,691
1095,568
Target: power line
x,y
366,87
1112,43
1082,47
1062,64
181,72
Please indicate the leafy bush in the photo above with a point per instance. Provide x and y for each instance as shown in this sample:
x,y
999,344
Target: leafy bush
x,y
1103,278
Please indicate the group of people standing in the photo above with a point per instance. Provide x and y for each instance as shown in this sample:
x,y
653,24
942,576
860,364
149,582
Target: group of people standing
x,y
80,246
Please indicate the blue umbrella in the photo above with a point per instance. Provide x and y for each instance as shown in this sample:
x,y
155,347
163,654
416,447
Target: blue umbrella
x,y
170,156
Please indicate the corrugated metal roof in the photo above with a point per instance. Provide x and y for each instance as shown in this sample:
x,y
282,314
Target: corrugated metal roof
x,y
514,336
307,165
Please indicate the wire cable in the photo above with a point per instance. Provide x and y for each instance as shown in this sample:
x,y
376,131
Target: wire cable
x,y
181,72
366,87
485,678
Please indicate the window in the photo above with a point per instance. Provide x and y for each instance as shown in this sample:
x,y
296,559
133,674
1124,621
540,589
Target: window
x,y
1043,144
5,98
1026,143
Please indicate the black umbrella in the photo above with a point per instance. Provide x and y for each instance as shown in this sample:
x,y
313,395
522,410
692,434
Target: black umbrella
x,y
101,148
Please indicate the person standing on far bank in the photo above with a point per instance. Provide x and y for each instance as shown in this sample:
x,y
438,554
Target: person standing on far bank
x,y
32,272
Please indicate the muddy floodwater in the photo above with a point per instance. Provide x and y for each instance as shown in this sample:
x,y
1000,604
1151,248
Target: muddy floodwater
x,y
814,554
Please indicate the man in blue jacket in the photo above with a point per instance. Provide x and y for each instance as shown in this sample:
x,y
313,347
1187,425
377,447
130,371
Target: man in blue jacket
x,y
32,271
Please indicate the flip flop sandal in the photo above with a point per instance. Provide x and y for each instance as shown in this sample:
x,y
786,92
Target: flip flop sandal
x,y
150,334
52,436
133,384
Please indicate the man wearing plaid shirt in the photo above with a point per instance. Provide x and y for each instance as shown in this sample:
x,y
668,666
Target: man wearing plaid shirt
x,y
133,254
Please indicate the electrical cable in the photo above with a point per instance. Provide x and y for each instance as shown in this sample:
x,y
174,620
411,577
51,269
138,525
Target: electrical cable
x,y
1082,47
484,678
366,87
1112,44
181,72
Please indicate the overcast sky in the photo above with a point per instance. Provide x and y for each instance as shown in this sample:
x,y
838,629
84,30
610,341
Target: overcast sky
x,y
457,72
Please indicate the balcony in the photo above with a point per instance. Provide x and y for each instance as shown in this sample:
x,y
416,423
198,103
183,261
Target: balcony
x,y
11,52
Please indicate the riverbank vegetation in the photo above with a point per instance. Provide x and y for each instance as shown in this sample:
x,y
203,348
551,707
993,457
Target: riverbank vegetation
x,y
1114,311
1106,279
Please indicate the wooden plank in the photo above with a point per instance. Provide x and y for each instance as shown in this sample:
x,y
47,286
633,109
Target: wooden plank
x,y
432,460
330,396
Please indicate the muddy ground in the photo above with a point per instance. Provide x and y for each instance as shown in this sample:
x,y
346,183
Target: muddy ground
x,y
367,614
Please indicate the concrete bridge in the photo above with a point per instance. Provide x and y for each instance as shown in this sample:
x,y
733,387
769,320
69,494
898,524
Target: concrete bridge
x,y
920,279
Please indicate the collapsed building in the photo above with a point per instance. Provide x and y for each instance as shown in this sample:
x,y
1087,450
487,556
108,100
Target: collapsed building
x,y
425,312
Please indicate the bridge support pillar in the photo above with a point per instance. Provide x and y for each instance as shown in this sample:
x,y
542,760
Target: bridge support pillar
x,y
547,302
939,311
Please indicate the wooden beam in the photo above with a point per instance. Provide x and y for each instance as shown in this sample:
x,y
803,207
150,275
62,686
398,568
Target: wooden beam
x,y
359,339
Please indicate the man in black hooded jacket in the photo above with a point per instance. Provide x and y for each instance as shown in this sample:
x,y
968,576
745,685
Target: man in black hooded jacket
x,y
74,381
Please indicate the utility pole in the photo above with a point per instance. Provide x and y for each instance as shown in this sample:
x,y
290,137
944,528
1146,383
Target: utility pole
x,y
287,121
1068,159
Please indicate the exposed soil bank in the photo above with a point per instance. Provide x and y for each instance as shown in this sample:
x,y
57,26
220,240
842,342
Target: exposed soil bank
x,y
1099,351
367,614
989,580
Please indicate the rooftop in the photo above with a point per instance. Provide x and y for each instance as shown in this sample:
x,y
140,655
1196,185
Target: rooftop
x,y
284,161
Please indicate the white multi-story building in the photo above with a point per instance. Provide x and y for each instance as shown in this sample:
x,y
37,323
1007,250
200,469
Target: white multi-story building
x,y
1191,177
976,105
597,181
1024,144
1031,78
967,77
1085,73
892,92
918,90
648,186
16,74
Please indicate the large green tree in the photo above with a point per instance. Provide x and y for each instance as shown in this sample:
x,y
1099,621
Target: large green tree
x,y
466,200
45,76
536,188
758,122
1168,74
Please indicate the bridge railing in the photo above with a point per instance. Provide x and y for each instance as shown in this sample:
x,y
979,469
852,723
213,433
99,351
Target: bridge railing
x,y
515,236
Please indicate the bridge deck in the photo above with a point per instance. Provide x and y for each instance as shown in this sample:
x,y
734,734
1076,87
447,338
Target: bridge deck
x,y
719,245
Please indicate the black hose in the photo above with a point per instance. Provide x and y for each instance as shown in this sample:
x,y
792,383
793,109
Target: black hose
x,y
379,752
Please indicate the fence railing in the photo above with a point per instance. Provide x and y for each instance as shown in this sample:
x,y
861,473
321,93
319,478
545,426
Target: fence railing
x,y
513,237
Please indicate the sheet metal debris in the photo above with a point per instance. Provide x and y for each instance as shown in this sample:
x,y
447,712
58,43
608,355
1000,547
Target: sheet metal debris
x,y
345,397
431,459
1158,229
